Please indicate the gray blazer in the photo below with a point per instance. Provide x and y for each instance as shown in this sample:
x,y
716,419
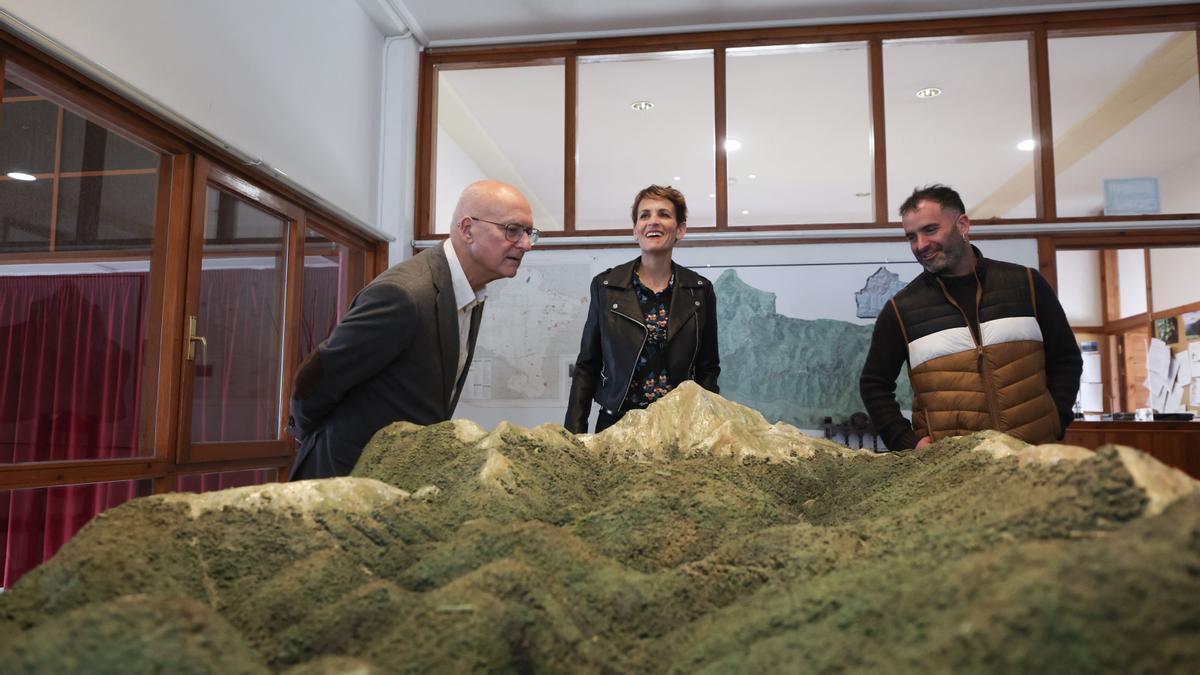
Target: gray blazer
x,y
392,358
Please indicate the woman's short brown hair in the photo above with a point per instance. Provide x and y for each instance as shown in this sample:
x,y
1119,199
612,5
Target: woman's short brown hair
x,y
659,192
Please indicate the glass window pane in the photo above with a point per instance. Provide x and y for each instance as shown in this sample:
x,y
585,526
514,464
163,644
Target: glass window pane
x,y
968,135
236,384
644,118
232,221
28,125
221,480
71,357
36,522
327,268
87,146
106,184
101,212
504,124
25,213
802,115
1126,107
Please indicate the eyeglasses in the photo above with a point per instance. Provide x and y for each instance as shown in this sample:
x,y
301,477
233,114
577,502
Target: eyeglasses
x,y
513,231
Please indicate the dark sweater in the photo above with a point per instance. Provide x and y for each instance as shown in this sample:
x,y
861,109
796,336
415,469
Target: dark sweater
x,y
889,352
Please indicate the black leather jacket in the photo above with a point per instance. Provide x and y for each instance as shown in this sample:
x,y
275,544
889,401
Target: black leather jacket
x,y
614,335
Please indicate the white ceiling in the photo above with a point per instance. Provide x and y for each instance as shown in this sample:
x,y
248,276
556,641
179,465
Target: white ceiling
x,y
462,22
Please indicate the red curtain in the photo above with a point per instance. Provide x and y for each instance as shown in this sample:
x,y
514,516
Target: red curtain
x,y
70,366
322,288
70,372
236,389
209,482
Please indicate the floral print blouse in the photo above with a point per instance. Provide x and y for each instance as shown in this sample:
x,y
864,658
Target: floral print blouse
x,y
650,379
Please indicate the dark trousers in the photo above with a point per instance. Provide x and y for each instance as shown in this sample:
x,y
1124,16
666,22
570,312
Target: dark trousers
x,y
604,420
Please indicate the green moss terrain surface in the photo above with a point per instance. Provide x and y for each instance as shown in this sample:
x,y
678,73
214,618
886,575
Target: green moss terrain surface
x,y
457,550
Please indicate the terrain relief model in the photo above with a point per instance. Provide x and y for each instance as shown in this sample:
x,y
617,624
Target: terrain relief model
x,y
692,537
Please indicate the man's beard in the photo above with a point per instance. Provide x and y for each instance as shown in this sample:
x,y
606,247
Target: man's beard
x,y
953,252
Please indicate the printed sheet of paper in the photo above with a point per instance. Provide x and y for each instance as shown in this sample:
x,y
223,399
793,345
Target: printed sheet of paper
x,y
1091,368
1175,399
1091,396
1158,358
1183,368
1158,368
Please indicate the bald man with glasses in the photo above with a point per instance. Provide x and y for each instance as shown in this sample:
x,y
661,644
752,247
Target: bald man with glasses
x,y
402,351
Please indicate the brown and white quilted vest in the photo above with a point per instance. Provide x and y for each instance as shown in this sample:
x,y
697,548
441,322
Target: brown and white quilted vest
x,y
962,385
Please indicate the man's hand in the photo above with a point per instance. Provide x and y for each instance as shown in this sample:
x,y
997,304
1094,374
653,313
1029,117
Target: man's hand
x,y
924,442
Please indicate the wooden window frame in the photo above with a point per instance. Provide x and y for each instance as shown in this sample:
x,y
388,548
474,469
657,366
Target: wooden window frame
x,y
206,174
161,389
1038,29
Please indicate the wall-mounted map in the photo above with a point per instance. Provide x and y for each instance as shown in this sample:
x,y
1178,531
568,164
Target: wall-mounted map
x,y
880,288
790,369
791,336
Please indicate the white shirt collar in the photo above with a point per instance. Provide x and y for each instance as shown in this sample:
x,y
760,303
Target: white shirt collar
x,y
464,296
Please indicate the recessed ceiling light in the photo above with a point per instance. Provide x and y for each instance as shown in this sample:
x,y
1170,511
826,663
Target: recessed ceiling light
x,y
862,194
1026,145
732,145
641,106
745,212
712,195
19,175
929,92
752,176
674,177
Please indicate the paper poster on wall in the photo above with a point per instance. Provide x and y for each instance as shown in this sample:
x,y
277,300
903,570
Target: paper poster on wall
x,y
1174,403
1183,368
1131,196
1158,368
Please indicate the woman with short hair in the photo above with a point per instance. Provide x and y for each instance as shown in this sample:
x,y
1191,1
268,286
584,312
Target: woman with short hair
x,y
651,323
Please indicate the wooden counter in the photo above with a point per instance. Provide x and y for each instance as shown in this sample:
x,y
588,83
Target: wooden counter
x,y
1175,444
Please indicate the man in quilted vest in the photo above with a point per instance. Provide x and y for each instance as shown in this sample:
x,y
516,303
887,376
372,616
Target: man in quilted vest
x,y
987,343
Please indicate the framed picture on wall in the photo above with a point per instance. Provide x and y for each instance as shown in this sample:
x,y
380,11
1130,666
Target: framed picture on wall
x,y
1167,329
1191,325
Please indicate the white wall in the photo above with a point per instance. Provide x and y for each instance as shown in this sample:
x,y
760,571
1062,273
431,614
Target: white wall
x,y
1131,280
1175,276
1079,287
293,82
398,157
